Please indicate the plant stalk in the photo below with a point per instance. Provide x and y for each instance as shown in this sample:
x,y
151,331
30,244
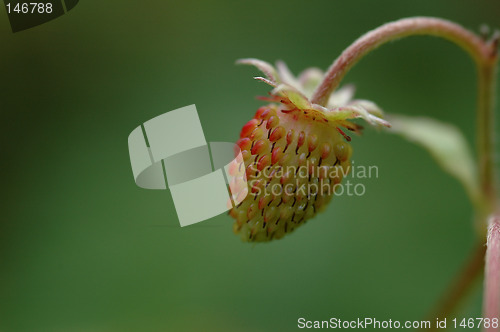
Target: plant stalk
x,y
491,298
484,54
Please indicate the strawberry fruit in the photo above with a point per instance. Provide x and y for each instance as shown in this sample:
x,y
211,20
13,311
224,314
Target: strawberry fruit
x,y
296,153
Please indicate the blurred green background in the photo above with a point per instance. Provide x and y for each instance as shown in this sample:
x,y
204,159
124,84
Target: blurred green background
x,y
82,248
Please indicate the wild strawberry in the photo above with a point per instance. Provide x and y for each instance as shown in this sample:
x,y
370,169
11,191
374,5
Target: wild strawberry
x,y
295,152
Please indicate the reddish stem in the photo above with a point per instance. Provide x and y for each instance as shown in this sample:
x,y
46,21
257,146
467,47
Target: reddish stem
x,y
473,44
484,54
491,299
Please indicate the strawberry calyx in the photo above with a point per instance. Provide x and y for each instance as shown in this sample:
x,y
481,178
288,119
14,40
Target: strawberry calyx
x,y
293,94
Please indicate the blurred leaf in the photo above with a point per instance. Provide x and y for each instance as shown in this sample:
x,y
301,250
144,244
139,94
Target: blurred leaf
x,y
446,143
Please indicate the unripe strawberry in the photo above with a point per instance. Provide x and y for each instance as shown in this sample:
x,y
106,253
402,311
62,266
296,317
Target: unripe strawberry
x,y
295,153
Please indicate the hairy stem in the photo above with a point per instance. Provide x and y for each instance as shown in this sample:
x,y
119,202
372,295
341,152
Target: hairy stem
x,y
473,44
491,299
484,54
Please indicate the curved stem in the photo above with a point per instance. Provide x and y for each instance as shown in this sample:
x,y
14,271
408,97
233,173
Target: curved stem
x,y
473,44
484,54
